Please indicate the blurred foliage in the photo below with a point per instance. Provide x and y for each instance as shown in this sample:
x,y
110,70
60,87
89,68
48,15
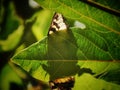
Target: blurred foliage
x,y
20,26
7,77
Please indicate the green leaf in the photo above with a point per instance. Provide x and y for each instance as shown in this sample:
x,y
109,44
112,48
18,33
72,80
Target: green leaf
x,y
34,68
37,51
87,82
41,25
101,31
94,42
100,72
74,44
61,53
11,42
92,17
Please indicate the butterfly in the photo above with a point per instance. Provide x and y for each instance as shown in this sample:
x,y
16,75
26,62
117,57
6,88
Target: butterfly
x,y
58,23
65,83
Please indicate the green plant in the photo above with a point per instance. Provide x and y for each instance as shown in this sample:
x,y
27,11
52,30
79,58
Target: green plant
x,y
88,50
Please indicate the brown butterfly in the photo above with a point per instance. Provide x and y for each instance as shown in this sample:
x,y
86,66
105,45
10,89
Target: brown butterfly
x,y
65,83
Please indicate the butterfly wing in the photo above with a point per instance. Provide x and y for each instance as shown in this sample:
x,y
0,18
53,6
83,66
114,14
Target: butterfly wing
x,y
58,23
65,83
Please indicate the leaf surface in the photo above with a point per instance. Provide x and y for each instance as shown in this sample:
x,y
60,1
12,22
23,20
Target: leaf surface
x,y
92,47
100,28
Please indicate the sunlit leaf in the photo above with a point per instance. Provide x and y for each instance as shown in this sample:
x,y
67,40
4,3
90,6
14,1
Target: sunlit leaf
x,y
41,25
87,82
101,28
89,46
12,41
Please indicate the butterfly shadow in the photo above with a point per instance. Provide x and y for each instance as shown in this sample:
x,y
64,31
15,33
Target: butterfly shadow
x,y
61,56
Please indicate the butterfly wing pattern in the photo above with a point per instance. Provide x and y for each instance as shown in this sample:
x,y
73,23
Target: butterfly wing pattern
x,y
58,23
65,83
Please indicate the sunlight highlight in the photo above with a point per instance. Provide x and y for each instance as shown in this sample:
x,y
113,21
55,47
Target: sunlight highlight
x,y
79,25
